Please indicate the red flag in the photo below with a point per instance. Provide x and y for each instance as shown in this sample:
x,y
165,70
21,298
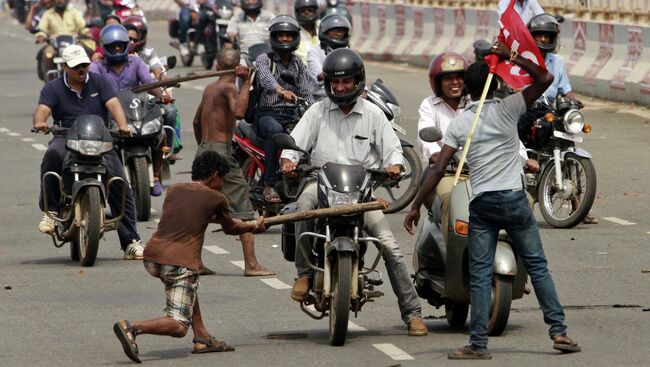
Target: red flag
x,y
516,36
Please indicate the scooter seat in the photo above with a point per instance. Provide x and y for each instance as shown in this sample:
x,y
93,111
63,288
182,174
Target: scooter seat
x,y
248,131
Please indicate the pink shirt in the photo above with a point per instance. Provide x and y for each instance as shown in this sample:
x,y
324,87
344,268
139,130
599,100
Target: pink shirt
x,y
434,111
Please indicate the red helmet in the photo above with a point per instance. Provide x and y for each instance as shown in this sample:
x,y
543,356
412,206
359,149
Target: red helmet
x,y
137,23
445,63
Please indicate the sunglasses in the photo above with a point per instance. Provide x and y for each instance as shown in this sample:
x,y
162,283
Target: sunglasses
x,y
133,39
80,66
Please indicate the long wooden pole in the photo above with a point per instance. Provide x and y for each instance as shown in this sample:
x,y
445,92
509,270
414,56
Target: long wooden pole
x,y
324,212
486,88
180,79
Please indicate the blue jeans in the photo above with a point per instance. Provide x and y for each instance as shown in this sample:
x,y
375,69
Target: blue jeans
x,y
184,23
269,123
509,210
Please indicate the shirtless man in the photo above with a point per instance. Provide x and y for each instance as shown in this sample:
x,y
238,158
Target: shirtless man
x,y
213,128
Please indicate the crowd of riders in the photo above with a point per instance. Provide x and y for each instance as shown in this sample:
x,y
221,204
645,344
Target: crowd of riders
x,y
313,46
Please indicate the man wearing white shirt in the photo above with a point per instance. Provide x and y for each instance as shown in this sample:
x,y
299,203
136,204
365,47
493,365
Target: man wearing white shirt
x,y
333,33
527,9
249,27
307,13
350,130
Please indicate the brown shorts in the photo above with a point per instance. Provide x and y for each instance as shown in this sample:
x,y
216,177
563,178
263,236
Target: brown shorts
x,y
235,187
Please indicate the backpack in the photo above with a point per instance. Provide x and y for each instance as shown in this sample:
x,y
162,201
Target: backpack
x,y
255,95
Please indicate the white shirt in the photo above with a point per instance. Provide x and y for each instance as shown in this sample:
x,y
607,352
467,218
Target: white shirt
x,y
434,111
364,136
248,31
315,58
526,11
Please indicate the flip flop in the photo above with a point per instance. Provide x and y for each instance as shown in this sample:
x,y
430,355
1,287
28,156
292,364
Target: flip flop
x,y
212,345
271,196
128,343
470,352
565,345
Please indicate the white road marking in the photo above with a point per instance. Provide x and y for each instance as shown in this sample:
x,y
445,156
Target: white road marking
x,y
13,134
276,283
27,140
4,130
239,264
394,352
216,250
620,221
39,146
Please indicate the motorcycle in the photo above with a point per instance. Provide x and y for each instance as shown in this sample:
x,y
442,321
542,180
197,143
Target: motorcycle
x,y
84,191
565,186
51,62
173,28
145,120
215,30
128,8
341,281
442,274
21,8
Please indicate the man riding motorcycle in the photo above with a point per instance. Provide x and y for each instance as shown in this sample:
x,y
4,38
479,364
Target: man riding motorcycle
x,y
249,27
185,22
126,71
307,13
333,33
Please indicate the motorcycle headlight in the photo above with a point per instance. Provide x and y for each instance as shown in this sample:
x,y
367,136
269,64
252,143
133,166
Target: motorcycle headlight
x,y
224,13
89,147
573,121
135,124
335,198
151,127
397,113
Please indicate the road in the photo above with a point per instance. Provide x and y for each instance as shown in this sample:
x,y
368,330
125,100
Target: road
x,y
56,313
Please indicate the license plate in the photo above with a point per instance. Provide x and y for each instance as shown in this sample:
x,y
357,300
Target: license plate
x,y
565,136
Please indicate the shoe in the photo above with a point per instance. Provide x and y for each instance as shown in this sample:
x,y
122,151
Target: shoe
x,y
470,352
417,327
565,345
183,49
300,289
134,251
47,224
200,49
157,188
590,219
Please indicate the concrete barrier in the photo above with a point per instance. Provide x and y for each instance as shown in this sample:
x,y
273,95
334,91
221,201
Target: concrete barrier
x,y
603,59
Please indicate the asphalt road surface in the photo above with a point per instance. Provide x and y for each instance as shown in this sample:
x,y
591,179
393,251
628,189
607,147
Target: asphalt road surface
x,y
55,313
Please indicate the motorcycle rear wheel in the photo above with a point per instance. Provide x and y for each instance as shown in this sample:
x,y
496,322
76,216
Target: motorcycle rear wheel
x,y
559,211
87,235
501,302
141,189
341,299
456,315
402,196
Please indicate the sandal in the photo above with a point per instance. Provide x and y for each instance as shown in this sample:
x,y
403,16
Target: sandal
x,y
271,195
126,335
212,345
565,345
590,219
470,352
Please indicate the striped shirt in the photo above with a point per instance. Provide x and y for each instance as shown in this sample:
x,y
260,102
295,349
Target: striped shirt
x,y
269,80
248,31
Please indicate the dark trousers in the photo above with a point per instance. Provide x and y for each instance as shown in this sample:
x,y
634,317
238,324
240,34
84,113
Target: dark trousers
x,y
269,123
53,162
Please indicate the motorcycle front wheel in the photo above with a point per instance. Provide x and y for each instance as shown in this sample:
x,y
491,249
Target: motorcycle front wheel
x,y
563,209
340,301
501,302
401,193
89,232
141,188
456,315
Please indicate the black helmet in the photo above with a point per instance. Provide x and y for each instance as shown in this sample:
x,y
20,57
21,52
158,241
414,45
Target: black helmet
x,y
246,6
305,21
281,24
338,10
548,24
330,22
343,63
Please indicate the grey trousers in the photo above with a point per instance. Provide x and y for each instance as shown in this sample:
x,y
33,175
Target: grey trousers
x,y
376,226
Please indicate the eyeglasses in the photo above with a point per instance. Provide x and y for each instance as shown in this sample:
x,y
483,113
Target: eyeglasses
x,y
80,66
133,39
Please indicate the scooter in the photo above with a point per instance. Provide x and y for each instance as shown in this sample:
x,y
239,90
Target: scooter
x,y
84,189
442,271
341,282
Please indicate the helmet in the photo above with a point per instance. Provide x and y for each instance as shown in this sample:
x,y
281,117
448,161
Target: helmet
x,y
304,21
338,10
137,23
330,22
445,63
342,63
246,6
115,34
281,24
548,24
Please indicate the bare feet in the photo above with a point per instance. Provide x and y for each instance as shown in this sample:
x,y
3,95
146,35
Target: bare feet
x,y
257,271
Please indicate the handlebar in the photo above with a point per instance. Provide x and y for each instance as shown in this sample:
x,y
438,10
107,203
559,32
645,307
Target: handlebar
x,y
62,131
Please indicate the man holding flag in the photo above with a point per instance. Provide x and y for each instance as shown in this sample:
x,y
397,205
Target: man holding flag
x,y
498,197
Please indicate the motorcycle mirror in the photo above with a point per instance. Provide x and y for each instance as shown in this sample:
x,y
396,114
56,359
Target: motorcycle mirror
x,y
286,141
559,18
288,77
171,61
430,134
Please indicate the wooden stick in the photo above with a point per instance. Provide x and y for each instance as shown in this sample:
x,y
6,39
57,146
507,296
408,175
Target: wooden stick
x,y
180,79
486,88
324,212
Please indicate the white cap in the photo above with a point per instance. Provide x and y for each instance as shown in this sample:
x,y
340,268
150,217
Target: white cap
x,y
74,55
